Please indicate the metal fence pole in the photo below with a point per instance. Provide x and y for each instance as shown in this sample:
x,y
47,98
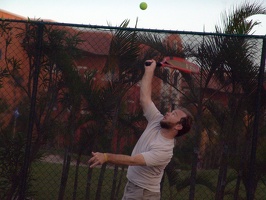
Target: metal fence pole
x,y
37,63
252,164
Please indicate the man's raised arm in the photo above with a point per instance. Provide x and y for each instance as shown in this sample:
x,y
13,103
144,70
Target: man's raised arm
x,y
146,85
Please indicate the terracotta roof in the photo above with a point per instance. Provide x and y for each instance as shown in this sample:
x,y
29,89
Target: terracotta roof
x,y
95,42
8,15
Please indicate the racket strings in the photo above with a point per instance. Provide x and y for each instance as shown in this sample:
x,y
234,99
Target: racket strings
x,y
182,65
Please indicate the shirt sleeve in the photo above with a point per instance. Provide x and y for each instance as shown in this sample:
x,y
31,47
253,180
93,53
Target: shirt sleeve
x,y
152,112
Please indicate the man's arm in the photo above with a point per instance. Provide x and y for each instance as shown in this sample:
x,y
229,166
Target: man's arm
x,y
146,85
118,159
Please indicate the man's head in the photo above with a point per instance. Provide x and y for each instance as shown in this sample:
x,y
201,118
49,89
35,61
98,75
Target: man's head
x,y
179,119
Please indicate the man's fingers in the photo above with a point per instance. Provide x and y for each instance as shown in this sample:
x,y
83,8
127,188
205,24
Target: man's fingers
x,y
91,160
94,165
94,161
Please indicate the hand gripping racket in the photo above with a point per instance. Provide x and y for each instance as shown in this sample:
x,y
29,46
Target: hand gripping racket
x,y
178,63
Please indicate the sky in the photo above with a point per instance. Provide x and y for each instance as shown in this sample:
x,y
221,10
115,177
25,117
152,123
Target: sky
x,y
181,15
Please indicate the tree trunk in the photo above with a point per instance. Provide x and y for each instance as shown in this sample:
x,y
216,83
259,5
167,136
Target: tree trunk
x,y
193,175
68,154
119,182
76,176
222,175
65,172
88,186
100,182
114,183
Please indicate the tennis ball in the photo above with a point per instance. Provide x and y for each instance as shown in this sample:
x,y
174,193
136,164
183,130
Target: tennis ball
x,y
143,5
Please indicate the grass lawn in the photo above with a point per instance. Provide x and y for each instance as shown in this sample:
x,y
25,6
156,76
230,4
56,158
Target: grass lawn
x,y
47,183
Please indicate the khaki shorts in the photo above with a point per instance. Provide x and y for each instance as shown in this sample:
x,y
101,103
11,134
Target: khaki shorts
x,y
134,192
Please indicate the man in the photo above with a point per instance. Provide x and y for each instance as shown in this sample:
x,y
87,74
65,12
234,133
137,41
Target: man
x,y
154,148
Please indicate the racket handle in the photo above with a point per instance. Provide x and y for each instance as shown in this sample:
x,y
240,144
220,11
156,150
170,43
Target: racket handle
x,y
158,64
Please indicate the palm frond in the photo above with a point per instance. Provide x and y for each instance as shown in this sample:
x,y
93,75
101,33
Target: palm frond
x,y
124,50
236,22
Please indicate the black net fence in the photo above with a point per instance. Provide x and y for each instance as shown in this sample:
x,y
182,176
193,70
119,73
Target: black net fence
x,y
67,90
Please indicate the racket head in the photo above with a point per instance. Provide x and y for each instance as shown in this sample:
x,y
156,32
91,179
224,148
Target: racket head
x,y
180,64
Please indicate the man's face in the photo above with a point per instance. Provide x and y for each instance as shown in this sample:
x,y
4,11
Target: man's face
x,y
171,119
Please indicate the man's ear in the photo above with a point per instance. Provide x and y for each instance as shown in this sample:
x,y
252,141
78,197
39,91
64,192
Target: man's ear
x,y
178,126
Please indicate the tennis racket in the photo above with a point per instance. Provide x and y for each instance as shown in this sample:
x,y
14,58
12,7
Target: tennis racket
x,y
178,63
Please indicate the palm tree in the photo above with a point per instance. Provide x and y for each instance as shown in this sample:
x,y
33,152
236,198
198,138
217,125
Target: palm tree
x,y
58,79
232,63
124,74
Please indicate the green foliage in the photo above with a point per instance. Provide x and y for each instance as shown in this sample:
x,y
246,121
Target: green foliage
x,y
235,22
3,73
75,113
12,153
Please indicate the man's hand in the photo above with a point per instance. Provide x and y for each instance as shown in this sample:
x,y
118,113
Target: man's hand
x,y
151,67
97,159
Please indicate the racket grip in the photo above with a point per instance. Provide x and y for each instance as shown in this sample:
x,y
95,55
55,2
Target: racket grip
x,y
158,64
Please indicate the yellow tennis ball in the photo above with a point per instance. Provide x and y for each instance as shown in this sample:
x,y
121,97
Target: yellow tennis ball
x,y
143,5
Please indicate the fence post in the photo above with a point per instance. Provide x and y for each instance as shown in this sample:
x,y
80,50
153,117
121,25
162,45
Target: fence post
x,y
252,163
27,157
